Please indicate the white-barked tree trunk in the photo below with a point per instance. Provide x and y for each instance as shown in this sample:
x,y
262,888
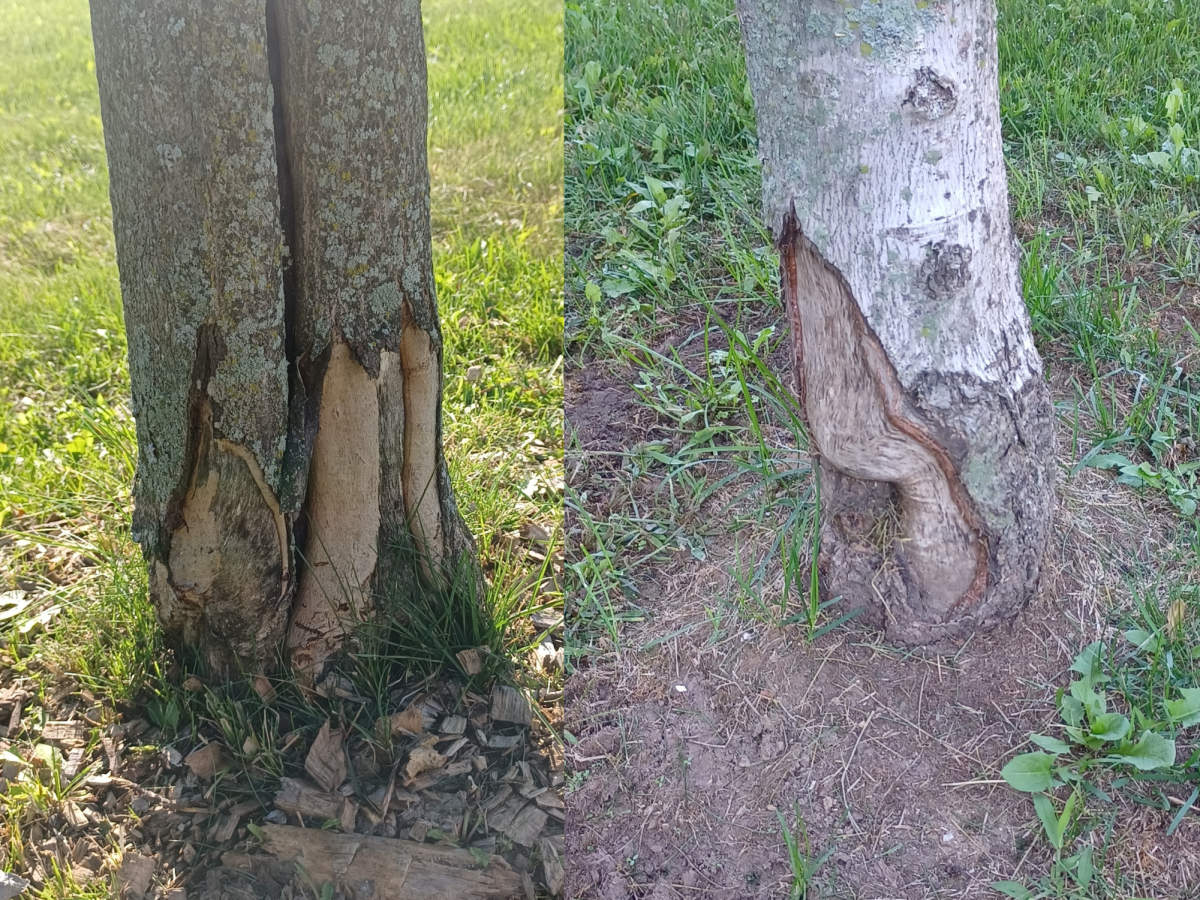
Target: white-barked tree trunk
x,y
884,185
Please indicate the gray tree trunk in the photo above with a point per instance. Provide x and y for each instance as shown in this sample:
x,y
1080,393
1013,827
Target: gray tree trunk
x,y
271,208
884,184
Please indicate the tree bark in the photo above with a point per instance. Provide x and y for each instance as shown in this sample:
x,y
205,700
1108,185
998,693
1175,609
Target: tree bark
x,y
271,210
927,410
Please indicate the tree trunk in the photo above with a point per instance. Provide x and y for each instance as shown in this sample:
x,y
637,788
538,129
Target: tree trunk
x,y
884,184
271,210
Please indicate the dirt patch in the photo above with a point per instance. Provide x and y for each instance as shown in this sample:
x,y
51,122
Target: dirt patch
x,y
702,722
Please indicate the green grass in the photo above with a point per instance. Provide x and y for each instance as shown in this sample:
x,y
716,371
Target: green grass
x,y
664,237
66,435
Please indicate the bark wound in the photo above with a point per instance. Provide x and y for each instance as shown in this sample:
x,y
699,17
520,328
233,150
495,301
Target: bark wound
x,y
946,269
342,507
862,428
420,366
931,96
226,578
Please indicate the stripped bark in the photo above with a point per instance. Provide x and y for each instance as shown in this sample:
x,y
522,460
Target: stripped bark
x,y
884,183
271,208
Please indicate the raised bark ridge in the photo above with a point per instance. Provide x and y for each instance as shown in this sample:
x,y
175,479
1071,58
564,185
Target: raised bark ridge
x,y
271,209
883,181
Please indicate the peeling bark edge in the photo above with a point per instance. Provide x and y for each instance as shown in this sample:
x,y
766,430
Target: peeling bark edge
x,y
1008,568
790,242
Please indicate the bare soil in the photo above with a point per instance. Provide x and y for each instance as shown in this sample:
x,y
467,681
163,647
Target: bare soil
x,y
688,749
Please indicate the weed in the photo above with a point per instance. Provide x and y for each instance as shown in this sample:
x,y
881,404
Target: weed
x,y
804,865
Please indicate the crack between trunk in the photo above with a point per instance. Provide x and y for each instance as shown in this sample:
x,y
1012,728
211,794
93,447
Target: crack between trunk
x,y
287,200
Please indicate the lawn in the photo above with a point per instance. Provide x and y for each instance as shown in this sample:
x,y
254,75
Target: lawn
x,y
76,626
747,716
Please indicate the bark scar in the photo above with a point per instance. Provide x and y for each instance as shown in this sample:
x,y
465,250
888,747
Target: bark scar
x,y
791,242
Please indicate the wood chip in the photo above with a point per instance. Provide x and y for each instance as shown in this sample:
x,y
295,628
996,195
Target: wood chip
x,y
74,815
399,870
526,826
548,800
73,764
206,761
471,660
113,751
422,759
245,808
326,762
496,799
502,818
14,719
549,657
134,876
12,604
462,767
409,722
510,705
552,867
300,798
456,746
224,828
453,725
266,690
11,885
349,816
65,734
504,741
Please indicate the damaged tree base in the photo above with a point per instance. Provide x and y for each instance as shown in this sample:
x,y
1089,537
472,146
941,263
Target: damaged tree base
x,y
273,238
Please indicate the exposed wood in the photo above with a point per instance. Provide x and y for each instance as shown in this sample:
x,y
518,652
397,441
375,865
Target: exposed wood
x,y
853,405
375,867
422,392
343,514
927,410
354,87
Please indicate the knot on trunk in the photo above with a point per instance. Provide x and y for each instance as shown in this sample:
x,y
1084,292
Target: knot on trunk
x,y
946,269
931,96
